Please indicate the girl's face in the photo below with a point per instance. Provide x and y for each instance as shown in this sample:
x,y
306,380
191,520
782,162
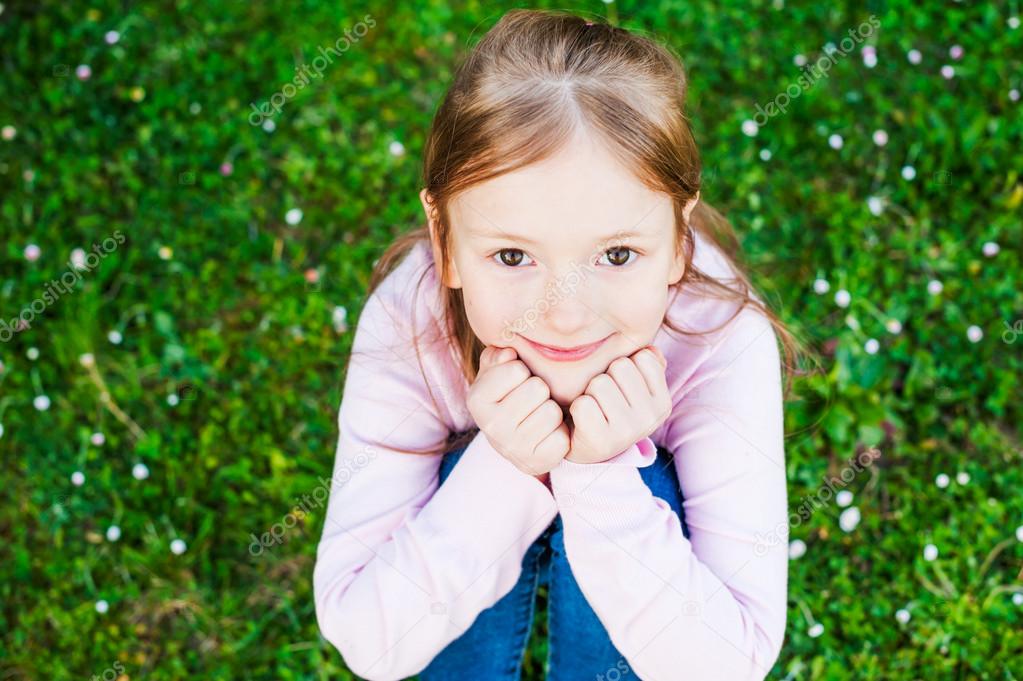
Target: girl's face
x,y
565,253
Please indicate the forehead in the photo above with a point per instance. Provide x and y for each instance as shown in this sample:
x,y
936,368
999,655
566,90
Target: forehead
x,y
582,191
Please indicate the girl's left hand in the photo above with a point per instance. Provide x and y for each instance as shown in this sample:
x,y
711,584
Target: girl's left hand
x,y
620,407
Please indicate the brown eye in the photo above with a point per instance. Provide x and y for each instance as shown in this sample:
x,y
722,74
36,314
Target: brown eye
x,y
619,255
510,256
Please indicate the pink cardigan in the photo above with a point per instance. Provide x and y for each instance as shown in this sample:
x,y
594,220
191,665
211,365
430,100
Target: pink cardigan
x,y
404,566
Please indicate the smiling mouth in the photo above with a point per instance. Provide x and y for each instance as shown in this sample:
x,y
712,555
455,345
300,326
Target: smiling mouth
x,y
566,354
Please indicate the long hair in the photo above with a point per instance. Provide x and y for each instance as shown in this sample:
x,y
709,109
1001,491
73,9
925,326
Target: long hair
x,y
521,92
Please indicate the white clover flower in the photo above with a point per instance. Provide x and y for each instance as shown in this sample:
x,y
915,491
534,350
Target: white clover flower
x,y
750,127
869,59
990,249
844,498
902,615
765,154
821,286
111,37
78,259
78,478
956,52
914,56
835,141
102,607
396,148
8,132
293,216
178,547
113,533
849,519
875,204
87,360
339,318
97,439
83,72
1017,598
1,430
930,552
172,400
871,346
962,477
894,326
1014,95
934,287
140,471
32,353
880,138
165,252
908,172
269,125
1019,533
115,337
797,549
1013,22
816,630
842,298
799,60
41,402
974,333
32,252
948,72
941,480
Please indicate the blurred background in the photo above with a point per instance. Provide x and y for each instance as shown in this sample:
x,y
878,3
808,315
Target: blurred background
x,y
185,243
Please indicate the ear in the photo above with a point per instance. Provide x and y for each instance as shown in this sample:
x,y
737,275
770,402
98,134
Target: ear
x,y
453,280
678,267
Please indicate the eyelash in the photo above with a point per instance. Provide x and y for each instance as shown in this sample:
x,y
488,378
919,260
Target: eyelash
x,y
513,267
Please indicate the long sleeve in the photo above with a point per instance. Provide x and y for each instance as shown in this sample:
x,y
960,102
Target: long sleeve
x,y
404,566
712,606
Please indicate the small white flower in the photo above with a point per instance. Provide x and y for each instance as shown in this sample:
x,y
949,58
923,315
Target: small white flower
x,y
956,52
78,259
799,60
829,47
835,141
97,439
815,631
902,615
871,346
293,216
165,252
8,132
797,549
1013,22
1014,95
908,172
178,547
765,154
880,138
974,333
339,318
1,430
269,125
41,402
750,128
194,108
115,337
1017,598
930,552
78,478
32,353
113,533
869,59
83,72
941,480
934,287
849,519
1019,533
821,286
111,37
875,204
842,298
914,56
32,252
894,326
962,477
140,471
87,360
102,607
396,148
844,498
990,249
947,72
172,400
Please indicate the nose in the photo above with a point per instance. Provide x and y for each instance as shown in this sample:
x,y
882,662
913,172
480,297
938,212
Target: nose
x,y
573,309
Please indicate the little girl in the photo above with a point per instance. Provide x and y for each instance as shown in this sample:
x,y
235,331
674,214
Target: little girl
x,y
538,375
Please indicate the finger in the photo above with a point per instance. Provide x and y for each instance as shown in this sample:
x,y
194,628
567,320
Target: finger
x,y
632,384
524,399
586,414
554,447
651,369
499,380
541,422
608,396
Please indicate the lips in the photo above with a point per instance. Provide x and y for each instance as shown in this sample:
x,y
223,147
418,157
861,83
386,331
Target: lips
x,y
566,354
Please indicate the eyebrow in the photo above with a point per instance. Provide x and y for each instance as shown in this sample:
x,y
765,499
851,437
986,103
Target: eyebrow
x,y
526,240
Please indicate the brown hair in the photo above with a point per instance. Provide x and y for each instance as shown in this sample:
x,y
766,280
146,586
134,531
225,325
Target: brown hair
x,y
521,92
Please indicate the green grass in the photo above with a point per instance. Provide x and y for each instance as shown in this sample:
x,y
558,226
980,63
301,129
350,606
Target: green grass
x,y
225,319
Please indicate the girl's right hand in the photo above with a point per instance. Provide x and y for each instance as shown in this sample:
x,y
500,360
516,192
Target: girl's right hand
x,y
514,410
